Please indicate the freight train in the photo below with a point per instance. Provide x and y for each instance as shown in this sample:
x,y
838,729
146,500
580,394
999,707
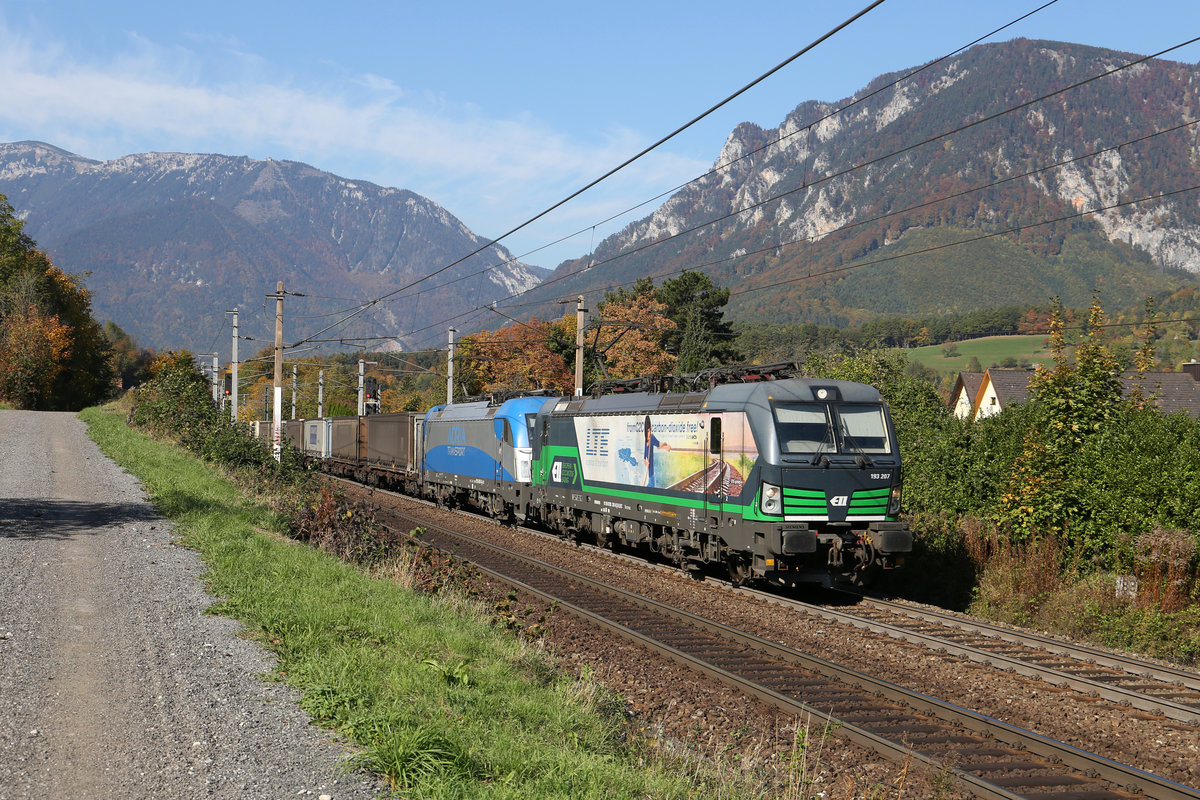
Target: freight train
x,y
778,482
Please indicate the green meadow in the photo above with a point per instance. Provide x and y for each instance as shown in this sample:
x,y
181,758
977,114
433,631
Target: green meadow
x,y
1011,351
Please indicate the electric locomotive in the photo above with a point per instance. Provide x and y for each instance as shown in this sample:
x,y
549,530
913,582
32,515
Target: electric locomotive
x,y
783,481
479,454
780,481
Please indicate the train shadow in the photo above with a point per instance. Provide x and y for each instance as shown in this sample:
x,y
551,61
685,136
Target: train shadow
x,y
818,595
60,519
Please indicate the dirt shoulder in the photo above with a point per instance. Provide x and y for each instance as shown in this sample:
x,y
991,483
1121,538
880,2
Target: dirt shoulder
x,y
113,682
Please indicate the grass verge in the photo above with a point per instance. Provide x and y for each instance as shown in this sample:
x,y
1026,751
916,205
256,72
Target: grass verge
x,y
1155,613
442,702
1015,589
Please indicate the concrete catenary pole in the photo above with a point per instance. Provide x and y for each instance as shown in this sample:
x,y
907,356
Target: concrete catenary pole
x,y
293,391
362,410
580,317
277,400
320,393
216,380
450,370
234,379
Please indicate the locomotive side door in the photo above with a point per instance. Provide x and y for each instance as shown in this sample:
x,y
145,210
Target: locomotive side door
x,y
506,453
716,481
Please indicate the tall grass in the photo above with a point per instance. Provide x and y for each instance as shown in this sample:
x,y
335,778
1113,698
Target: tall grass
x,y
1156,611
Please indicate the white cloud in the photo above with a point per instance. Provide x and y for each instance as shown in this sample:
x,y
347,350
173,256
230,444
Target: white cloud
x,y
366,126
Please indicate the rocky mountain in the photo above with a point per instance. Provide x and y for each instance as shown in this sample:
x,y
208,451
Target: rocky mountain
x,y
172,240
860,208
950,190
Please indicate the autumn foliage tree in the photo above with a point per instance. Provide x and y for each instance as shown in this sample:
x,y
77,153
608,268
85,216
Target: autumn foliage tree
x,y
53,354
630,334
32,346
522,357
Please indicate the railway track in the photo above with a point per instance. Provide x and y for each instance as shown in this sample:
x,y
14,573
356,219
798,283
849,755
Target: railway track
x,y
990,758
1173,676
1174,693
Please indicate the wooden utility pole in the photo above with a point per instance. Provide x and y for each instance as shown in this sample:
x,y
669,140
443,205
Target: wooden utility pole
x,y
277,401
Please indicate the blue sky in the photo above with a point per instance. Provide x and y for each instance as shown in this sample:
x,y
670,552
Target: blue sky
x,y
494,110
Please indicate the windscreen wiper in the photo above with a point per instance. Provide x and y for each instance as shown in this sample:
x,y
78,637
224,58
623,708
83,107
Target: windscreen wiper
x,y
861,458
828,437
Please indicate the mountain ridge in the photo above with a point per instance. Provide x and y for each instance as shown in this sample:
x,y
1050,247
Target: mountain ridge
x,y
838,185
895,200
272,220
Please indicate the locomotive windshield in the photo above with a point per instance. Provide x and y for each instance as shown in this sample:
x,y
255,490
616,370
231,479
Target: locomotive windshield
x,y
817,428
804,427
863,429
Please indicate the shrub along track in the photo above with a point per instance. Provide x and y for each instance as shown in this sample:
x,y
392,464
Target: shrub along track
x,y
1166,753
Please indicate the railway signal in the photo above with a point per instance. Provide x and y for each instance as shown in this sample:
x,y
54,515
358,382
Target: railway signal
x,y
371,395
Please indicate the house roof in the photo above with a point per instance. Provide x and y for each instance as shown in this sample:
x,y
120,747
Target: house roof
x,y
1171,391
967,383
1010,385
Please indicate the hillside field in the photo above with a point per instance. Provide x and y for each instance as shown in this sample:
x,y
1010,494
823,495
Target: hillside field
x,y
990,350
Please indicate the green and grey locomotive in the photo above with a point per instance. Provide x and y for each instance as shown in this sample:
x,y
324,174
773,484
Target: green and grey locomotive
x,y
784,481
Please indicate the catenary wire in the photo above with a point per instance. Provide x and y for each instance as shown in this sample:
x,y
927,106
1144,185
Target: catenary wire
x,y
620,166
823,179
363,307
726,165
870,162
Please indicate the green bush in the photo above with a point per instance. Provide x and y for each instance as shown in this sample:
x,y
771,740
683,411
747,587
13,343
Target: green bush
x,y
176,404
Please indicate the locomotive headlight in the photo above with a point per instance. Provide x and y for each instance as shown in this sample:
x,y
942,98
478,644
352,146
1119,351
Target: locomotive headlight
x,y
772,499
894,501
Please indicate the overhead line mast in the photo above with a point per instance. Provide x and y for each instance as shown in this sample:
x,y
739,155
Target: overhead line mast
x,y
277,400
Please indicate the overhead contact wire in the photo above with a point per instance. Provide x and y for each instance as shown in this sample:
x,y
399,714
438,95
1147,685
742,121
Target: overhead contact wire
x,y
617,168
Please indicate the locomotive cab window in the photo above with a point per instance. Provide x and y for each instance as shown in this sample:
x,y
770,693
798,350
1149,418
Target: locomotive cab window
x,y
804,427
863,429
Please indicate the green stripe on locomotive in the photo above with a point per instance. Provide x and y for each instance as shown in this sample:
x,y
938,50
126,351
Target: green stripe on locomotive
x,y
811,504
543,477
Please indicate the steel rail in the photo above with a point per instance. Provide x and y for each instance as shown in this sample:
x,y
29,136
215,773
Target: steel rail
x,y
1134,666
1117,694
1135,699
1130,778
889,749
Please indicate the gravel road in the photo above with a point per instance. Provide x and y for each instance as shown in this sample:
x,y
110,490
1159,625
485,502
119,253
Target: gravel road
x,y
113,683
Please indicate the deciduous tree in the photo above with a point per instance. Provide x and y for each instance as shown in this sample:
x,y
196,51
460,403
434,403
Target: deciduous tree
x,y
32,350
630,334
521,357
29,280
